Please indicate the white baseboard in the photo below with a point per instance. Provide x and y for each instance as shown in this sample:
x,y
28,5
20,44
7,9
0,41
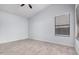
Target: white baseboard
x,y
6,40
70,45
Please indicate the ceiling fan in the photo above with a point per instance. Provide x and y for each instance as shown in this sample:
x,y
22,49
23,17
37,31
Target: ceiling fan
x,y
30,6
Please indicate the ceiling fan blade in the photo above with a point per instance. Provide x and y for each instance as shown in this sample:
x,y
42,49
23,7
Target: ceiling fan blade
x,y
30,6
22,5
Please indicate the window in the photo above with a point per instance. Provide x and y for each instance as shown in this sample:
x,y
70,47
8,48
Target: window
x,y
62,25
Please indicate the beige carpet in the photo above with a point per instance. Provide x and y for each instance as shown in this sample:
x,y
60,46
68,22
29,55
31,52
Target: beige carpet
x,y
34,47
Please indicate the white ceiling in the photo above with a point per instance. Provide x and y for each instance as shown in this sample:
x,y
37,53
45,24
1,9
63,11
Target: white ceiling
x,y
24,11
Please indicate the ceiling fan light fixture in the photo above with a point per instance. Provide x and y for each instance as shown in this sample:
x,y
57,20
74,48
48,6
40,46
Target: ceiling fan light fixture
x,y
30,6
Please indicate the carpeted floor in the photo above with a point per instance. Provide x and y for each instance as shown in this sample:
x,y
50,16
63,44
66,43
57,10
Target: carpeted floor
x,y
34,47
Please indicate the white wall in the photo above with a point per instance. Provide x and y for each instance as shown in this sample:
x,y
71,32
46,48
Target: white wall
x,y
42,25
12,27
76,31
